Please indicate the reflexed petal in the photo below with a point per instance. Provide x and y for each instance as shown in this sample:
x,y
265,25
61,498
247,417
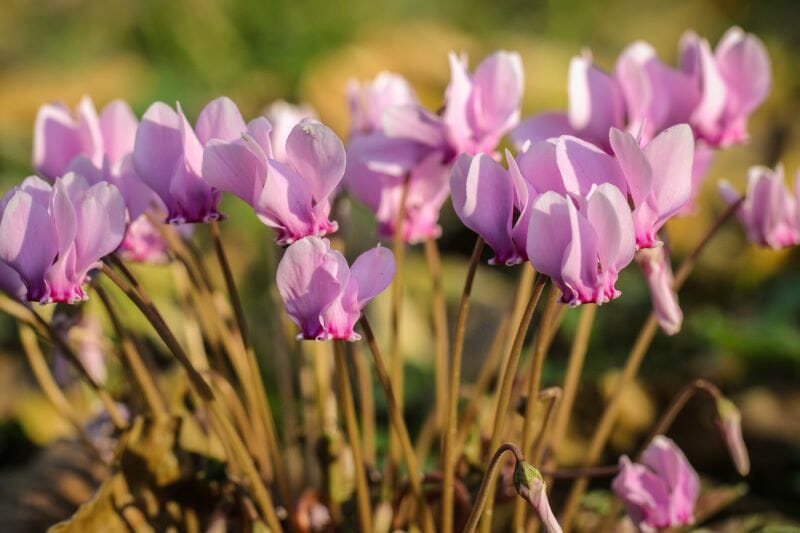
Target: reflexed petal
x,y
373,271
318,155
609,214
29,244
549,233
219,119
158,150
670,156
483,198
412,122
309,279
540,128
634,164
118,127
56,140
236,168
744,63
285,203
583,164
101,223
595,101
497,87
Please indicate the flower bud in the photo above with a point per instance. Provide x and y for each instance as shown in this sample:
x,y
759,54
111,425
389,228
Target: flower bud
x,y
729,422
531,486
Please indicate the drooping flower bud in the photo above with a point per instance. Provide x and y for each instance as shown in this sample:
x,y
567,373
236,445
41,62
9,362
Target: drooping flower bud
x,y
729,422
531,486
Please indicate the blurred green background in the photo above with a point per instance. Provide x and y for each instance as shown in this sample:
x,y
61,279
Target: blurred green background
x,y
742,305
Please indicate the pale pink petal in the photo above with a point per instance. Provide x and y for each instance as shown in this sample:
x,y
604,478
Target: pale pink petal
x,y
634,165
29,243
373,271
118,127
670,156
412,122
318,155
497,87
583,164
219,119
56,140
483,198
237,167
310,277
595,101
609,214
540,128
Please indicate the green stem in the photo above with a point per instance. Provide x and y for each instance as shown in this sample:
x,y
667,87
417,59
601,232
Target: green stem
x,y
504,396
344,392
603,429
399,425
448,456
487,484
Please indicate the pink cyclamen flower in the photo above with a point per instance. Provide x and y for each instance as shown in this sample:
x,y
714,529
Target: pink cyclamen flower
x,y
657,96
769,212
380,166
662,491
292,197
53,235
582,244
99,148
322,294
654,263
486,197
283,117
595,106
168,156
729,422
368,101
659,177
480,108
396,143
732,82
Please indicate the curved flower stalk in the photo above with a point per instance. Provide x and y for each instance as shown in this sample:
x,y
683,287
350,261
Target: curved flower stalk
x,y
396,143
168,156
322,294
582,245
283,117
99,148
662,491
53,235
292,197
769,212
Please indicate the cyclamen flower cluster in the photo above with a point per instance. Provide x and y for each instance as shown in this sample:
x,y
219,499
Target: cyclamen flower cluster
x,y
53,235
100,148
580,212
714,92
769,212
661,491
399,151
